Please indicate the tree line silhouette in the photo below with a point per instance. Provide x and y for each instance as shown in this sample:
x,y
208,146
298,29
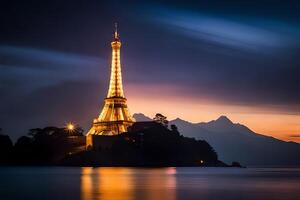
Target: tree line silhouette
x,y
151,145
41,146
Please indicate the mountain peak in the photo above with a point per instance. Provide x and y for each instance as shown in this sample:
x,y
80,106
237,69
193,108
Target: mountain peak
x,y
141,117
224,120
180,120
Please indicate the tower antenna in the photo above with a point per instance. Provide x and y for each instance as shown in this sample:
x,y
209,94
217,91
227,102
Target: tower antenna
x,y
116,35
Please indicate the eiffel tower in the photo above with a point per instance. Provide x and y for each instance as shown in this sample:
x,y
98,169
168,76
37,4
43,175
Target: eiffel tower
x,y
114,118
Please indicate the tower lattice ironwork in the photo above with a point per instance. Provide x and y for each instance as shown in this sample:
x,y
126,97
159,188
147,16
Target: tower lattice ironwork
x,y
114,117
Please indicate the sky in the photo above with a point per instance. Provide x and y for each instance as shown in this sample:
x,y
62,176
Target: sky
x,y
195,60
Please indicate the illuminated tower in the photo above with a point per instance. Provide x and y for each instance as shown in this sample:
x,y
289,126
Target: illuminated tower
x,y
114,117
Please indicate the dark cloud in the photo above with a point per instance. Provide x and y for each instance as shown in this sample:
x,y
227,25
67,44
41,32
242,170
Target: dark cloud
x,y
43,59
44,107
35,82
34,68
241,34
236,60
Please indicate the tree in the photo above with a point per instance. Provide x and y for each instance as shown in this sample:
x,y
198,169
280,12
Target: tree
x,y
174,129
47,145
159,118
5,143
6,147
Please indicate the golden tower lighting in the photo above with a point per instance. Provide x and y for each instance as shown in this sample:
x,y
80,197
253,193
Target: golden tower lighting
x,y
114,117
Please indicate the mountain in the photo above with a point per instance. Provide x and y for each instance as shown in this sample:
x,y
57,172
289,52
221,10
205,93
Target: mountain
x,y
236,142
140,117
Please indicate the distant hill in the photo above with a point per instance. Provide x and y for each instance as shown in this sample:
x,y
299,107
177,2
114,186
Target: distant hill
x,y
139,117
236,142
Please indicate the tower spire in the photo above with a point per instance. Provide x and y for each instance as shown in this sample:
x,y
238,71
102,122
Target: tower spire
x,y
116,35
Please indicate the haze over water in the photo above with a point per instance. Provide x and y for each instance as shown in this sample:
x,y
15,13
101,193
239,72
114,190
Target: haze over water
x,y
150,184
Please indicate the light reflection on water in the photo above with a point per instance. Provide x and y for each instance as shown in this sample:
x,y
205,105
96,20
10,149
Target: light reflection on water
x,y
189,183
121,183
128,183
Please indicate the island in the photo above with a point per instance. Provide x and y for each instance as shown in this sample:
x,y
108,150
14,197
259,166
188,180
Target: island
x,y
146,144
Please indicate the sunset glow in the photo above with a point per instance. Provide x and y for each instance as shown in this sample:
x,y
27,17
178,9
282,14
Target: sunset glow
x,y
164,99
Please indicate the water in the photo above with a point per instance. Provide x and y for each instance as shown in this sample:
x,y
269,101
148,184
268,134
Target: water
x,y
57,183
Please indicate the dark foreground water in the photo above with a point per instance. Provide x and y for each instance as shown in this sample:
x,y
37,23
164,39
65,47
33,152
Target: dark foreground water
x,y
57,183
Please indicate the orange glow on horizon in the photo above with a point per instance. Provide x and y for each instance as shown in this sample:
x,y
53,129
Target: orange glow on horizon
x,y
170,103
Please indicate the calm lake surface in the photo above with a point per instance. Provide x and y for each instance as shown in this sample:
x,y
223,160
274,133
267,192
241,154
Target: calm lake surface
x,y
57,183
